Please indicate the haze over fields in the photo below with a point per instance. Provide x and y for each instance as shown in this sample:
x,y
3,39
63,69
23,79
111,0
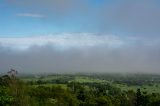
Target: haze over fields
x,y
80,36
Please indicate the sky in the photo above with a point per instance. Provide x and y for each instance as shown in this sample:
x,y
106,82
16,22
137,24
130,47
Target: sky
x,y
80,36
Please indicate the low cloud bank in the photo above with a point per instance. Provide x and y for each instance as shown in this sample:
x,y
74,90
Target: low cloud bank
x,y
126,56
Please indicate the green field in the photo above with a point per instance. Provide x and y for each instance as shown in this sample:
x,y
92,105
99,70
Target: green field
x,y
154,88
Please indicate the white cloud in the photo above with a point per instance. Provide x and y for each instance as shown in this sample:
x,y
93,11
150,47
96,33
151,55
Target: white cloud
x,y
30,15
63,40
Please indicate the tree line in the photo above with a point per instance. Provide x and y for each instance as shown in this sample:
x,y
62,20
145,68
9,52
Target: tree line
x,y
15,92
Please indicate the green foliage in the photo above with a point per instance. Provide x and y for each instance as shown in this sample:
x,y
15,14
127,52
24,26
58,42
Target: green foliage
x,y
5,98
53,95
69,92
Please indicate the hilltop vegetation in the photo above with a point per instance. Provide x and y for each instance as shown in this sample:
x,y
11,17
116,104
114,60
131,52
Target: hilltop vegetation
x,y
80,90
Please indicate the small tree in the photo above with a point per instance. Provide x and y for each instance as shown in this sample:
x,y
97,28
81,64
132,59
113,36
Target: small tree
x,y
138,98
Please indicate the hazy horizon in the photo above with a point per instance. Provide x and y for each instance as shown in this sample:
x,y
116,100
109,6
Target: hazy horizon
x,y
63,36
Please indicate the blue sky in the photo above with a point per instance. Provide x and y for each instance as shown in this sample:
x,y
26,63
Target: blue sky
x,y
13,24
115,35
39,17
